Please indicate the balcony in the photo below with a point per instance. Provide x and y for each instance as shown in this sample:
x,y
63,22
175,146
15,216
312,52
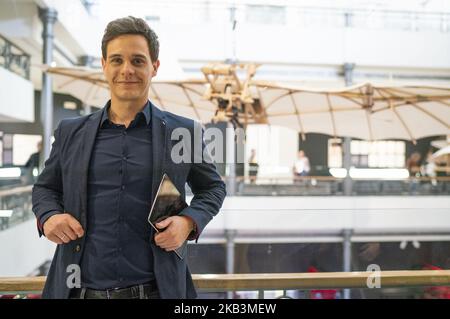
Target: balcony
x,y
17,97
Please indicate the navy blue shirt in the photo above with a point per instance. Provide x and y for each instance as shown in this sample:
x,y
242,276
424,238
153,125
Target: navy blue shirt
x,y
117,250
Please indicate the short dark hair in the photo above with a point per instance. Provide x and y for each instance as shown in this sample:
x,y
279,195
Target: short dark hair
x,y
131,25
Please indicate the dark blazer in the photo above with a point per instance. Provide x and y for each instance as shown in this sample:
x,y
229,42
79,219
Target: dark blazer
x,y
62,186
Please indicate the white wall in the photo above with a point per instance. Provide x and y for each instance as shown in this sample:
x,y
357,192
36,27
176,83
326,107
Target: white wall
x,y
336,46
22,251
332,214
17,98
75,28
296,45
276,149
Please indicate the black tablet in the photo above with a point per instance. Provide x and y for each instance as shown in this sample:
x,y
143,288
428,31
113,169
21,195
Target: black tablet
x,y
168,202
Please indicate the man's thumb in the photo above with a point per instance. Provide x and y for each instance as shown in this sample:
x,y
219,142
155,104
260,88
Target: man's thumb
x,y
164,223
76,226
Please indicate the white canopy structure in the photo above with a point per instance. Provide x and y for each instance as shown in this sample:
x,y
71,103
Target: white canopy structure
x,y
365,111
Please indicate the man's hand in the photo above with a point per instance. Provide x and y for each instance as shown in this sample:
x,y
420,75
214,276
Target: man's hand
x,y
177,229
62,228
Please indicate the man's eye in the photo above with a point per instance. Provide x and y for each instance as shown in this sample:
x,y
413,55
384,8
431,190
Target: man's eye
x,y
138,61
116,60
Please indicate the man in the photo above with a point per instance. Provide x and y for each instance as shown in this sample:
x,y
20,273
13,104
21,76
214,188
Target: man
x,y
253,167
33,160
31,164
94,194
301,165
413,164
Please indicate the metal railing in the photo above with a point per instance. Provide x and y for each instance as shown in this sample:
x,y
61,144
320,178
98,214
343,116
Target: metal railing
x,y
328,185
17,200
14,58
303,16
16,204
375,19
279,281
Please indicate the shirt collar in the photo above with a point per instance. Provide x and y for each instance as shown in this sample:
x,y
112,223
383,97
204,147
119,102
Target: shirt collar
x,y
146,111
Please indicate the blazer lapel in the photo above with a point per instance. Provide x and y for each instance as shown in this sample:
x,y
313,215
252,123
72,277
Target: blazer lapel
x,y
90,133
159,134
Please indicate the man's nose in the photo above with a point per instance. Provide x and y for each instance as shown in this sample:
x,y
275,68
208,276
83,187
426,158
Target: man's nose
x,y
127,69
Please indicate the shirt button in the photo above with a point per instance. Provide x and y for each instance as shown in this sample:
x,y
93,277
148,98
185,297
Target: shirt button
x,y
125,158
124,132
123,187
77,248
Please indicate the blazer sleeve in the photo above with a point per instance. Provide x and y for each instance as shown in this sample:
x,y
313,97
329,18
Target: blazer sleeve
x,y
47,193
209,193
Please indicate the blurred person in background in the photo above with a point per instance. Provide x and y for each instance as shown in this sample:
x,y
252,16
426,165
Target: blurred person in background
x,y
429,168
301,166
32,164
253,167
413,166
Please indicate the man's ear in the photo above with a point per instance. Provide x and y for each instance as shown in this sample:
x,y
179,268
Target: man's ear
x,y
103,64
155,67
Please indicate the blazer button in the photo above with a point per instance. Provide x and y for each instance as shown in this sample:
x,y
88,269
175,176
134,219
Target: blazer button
x,y
77,248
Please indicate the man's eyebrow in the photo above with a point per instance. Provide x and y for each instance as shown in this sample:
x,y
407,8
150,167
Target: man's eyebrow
x,y
142,56
139,56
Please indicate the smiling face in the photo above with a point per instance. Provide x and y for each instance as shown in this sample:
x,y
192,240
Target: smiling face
x,y
128,68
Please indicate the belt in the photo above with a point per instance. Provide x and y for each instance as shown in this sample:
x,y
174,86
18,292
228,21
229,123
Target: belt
x,y
134,292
